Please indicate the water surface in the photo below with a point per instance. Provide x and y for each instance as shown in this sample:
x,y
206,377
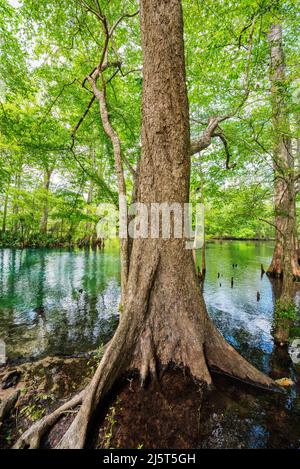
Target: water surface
x,y
57,301
66,301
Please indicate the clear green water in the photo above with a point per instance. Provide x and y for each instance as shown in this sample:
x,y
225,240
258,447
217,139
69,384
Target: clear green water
x,y
57,301
64,302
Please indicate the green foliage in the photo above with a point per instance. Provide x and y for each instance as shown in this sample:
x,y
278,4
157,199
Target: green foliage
x,y
285,311
295,332
110,422
33,411
48,48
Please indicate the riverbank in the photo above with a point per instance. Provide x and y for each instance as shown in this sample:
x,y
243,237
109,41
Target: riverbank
x,y
9,240
47,241
232,238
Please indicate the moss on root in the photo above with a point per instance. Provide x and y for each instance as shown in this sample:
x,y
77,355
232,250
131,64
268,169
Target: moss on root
x,y
285,316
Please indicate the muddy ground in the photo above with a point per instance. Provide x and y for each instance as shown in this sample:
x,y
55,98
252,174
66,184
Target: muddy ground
x,y
172,413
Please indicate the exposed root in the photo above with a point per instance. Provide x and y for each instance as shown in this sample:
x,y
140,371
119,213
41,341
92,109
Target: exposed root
x,y
148,364
224,358
32,437
218,354
107,373
7,405
276,267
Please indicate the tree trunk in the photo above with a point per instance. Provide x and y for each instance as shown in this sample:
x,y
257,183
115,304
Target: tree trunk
x,y
283,163
174,326
16,224
90,227
164,320
203,260
5,209
46,185
134,197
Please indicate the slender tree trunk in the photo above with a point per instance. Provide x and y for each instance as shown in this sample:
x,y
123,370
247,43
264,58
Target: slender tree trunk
x,y
5,208
203,258
134,197
46,184
16,224
89,232
203,261
100,94
283,162
296,153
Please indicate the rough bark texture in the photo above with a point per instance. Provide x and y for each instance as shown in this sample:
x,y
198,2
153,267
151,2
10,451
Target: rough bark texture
x,y
283,162
164,319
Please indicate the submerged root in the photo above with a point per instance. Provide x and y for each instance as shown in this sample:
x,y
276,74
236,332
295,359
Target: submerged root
x,y
118,356
276,269
224,358
217,355
104,378
108,371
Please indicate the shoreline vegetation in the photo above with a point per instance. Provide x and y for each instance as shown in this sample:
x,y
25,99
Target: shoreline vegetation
x,y
49,242
100,243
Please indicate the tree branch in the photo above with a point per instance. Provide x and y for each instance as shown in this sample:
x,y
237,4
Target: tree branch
x,y
273,225
223,139
205,140
56,99
126,15
76,127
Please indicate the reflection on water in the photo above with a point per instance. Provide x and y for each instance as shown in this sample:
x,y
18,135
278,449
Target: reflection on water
x,y
55,301
59,301
245,322
238,417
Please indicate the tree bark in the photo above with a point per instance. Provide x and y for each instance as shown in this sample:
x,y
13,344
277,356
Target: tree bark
x,y
89,227
46,184
16,224
283,163
5,208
